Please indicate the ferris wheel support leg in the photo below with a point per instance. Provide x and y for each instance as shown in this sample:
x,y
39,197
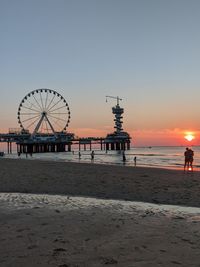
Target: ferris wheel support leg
x,y
38,125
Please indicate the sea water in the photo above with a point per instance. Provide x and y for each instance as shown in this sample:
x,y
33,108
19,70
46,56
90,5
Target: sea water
x,y
162,157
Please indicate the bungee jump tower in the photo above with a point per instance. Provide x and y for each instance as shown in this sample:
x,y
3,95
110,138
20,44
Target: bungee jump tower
x,y
118,140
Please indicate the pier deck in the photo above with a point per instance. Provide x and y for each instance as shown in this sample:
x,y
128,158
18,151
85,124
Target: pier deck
x,y
61,143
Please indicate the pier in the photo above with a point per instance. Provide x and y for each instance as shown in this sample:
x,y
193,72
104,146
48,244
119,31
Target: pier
x,y
44,115
45,144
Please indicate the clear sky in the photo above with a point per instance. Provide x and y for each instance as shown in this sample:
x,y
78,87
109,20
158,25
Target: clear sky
x,y
145,51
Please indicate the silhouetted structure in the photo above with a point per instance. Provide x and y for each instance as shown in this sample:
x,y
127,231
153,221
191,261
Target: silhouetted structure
x,y
119,140
41,112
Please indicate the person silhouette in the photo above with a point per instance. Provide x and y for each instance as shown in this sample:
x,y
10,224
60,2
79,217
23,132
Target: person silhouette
x,y
135,161
92,155
123,157
189,157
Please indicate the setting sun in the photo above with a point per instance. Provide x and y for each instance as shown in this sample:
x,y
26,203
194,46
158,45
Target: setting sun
x,y
189,137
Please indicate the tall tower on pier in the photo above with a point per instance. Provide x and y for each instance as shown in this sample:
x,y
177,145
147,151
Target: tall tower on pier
x,y
119,140
118,111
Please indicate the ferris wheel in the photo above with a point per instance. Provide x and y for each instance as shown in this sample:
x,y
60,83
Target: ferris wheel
x,y
43,111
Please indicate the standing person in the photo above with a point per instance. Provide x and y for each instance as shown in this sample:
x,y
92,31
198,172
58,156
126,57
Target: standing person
x,y
135,161
186,155
92,155
123,157
189,157
79,155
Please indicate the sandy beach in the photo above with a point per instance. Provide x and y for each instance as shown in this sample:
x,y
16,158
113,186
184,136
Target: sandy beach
x,y
160,186
71,214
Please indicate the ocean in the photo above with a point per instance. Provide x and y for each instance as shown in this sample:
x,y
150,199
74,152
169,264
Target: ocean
x,y
161,157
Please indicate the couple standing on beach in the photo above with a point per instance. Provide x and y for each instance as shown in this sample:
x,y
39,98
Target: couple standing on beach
x,y
189,154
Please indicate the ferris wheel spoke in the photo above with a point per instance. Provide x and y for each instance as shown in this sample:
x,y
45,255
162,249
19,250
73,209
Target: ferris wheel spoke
x,y
54,105
32,123
29,113
46,99
56,109
60,126
37,102
51,102
41,101
60,113
30,109
32,105
31,118
57,118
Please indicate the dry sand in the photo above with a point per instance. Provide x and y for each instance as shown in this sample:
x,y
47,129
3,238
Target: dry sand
x,y
53,227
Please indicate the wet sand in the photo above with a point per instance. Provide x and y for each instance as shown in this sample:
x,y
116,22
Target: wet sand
x,y
153,185
53,227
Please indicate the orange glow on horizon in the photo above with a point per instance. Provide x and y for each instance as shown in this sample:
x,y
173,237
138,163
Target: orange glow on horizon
x,y
166,137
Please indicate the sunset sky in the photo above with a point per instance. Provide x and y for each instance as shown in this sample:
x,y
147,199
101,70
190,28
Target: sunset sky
x,y
145,51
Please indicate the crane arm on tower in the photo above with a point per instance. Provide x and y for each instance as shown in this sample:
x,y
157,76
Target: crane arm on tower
x,y
115,97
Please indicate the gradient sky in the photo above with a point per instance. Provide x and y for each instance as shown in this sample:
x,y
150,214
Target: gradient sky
x,y
145,51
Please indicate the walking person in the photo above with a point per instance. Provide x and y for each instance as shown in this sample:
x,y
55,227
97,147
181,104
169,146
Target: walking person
x,y
92,155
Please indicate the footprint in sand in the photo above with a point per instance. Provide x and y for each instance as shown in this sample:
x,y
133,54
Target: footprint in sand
x,y
43,224
175,262
57,211
32,247
109,261
56,251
